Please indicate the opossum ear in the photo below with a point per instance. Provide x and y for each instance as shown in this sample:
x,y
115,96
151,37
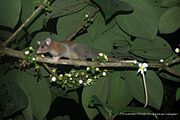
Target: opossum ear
x,y
48,41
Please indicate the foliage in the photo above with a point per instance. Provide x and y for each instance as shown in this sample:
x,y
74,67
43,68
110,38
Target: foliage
x,y
125,28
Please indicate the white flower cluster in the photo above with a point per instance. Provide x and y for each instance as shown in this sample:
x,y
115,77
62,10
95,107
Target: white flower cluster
x,y
104,56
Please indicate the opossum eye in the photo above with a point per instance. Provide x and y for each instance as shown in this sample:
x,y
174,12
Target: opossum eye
x,y
42,46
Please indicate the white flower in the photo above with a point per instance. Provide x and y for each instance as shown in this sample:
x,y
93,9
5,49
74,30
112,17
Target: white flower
x,y
53,79
26,52
70,78
142,67
61,75
86,76
31,48
68,75
86,16
54,70
76,75
135,62
42,56
33,59
87,68
105,57
104,74
177,50
89,81
161,60
101,54
80,81
97,69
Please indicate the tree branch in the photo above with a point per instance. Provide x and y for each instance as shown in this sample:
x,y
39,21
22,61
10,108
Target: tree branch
x,y
36,12
177,60
116,64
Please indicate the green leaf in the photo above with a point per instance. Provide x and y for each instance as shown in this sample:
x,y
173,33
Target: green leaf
x,y
102,109
178,94
119,95
68,25
99,35
122,46
10,12
66,7
170,20
143,17
156,5
170,76
154,87
4,34
153,50
13,97
28,113
38,92
111,91
170,3
28,7
103,37
110,7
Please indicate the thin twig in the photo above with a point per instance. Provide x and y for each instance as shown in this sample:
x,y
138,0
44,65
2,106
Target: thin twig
x,y
49,70
36,12
79,29
173,72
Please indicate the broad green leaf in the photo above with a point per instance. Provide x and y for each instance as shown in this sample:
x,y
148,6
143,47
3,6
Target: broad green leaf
x,y
68,25
38,91
99,35
103,37
28,113
57,91
13,97
122,46
119,95
170,3
170,76
28,7
111,91
156,5
154,87
10,12
142,22
66,7
110,7
106,113
153,50
178,94
21,40
170,20
4,35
